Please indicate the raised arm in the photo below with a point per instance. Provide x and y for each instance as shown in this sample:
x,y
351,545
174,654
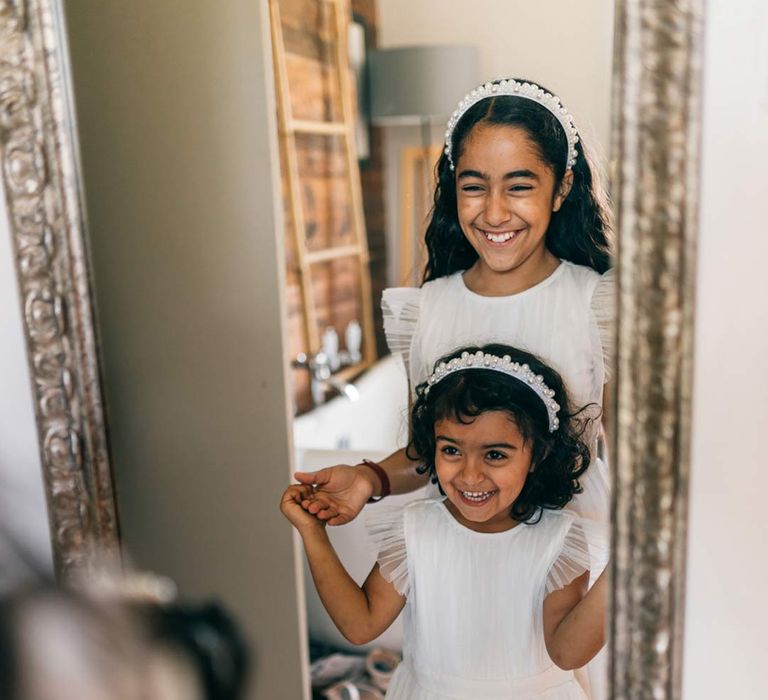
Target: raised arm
x,y
574,621
360,613
341,491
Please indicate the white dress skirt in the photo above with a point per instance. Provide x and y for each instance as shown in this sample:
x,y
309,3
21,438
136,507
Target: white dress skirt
x,y
474,612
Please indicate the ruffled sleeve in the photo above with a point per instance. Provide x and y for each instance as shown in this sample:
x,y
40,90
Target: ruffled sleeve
x,y
386,529
604,313
576,553
400,307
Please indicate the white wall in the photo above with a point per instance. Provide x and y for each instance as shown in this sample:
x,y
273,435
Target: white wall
x,y
565,45
727,612
22,499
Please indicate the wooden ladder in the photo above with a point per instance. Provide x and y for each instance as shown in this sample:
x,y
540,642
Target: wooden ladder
x,y
345,130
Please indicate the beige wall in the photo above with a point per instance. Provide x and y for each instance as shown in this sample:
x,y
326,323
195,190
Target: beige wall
x,y
176,123
727,615
565,45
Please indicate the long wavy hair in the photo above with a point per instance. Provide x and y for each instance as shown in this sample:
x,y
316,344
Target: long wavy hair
x,y
580,231
559,458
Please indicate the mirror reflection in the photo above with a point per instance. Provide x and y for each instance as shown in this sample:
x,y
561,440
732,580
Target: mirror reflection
x,y
171,134
407,245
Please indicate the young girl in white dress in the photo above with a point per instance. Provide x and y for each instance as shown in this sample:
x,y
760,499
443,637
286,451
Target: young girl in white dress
x,y
493,573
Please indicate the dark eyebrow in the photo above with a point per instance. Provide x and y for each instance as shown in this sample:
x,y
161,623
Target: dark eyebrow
x,y
505,445
494,445
447,439
529,174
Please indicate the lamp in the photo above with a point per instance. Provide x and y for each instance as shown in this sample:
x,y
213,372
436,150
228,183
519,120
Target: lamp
x,y
418,85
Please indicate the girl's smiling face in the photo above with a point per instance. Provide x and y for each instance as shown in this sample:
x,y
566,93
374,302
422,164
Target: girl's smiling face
x,y
482,466
505,197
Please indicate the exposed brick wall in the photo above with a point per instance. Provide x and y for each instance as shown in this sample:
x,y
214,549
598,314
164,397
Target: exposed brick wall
x,y
327,211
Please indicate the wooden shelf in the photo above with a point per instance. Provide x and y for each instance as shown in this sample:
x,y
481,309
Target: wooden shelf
x,y
327,254
349,373
302,126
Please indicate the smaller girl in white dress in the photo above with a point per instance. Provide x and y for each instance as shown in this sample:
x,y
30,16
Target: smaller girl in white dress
x,y
492,574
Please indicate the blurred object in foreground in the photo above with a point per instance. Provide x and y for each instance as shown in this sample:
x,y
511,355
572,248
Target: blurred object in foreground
x,y
58,644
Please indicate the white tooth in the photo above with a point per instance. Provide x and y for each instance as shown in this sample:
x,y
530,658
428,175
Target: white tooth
x,y
498,237
477,495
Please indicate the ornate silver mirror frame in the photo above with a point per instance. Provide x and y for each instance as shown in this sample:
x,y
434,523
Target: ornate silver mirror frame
x,y
656,98
46,218
657,90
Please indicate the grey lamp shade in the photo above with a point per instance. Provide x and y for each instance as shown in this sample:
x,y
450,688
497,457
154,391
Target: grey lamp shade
x,y
417,83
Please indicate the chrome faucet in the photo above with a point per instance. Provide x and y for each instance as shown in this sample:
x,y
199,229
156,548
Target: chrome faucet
x,y
321,377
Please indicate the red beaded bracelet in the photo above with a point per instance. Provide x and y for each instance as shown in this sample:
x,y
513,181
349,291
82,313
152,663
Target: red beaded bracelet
x,y
383,478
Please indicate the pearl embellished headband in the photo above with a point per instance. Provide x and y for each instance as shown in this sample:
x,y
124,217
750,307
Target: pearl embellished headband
x,y
528,91
523,373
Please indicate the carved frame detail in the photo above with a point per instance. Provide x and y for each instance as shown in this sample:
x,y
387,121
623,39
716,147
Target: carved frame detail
x,y
43,192
656,107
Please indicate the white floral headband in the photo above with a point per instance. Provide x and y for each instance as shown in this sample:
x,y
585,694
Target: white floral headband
x,y
528,91
523,373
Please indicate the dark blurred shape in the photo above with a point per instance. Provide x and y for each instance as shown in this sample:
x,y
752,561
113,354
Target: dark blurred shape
x,y
60,644
211,641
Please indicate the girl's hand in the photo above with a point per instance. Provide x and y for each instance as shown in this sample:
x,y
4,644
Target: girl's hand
x,y
340,493
575,621
290,507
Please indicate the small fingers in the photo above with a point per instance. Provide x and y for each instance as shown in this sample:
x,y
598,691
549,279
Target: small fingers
x,y
304,491
327,513
321,510
296,493
313,503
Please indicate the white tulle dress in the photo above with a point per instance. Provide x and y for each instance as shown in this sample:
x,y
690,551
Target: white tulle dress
x,y
473,617
566,320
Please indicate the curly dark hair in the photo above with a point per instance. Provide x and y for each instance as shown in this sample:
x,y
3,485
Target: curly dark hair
x,y
581,231
559,457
